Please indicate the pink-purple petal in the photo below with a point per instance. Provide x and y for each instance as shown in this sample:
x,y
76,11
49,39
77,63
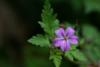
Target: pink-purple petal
x,y
68,45
69,31
64,38
74,40
65,45
58,42
59,32
73,37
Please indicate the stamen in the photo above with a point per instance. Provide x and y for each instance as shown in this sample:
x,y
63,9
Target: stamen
x,y
65,38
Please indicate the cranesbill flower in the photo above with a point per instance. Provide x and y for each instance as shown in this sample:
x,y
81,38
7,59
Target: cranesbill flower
x,y
64,38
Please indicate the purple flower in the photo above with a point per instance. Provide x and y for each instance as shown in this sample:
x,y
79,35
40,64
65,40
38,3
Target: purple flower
x,y
64,38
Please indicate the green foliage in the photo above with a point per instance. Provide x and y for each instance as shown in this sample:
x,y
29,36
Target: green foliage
x,y
89,5
93,51
74,53
92,48
92,5
73,47
97,40
55,56
89,31
78,55
50,28
69,55
49,22
40,40
81,41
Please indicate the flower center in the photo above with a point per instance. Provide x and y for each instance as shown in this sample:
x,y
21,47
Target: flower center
x,y
65,37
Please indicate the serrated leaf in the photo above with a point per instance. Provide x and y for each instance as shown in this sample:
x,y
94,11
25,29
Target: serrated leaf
x,y
45,27
78,55
57,61
50,28
69,55
56,57
40,40
49,22
75,54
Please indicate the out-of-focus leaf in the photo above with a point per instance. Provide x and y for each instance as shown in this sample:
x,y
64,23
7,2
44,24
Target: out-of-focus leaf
x,y
83,65
89,31
97,40
93,51
81,41
97,52
55,56
92,5
92,34
40,40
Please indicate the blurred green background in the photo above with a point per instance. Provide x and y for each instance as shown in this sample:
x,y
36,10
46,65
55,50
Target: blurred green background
x,y
18,22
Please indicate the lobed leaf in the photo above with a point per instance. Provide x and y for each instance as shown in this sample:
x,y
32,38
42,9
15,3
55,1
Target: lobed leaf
x,y
55,56
69,55
49,22
75,54
40,40
78,55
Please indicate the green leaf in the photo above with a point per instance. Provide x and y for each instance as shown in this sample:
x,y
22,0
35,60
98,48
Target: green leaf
x,y
89,31
49,22
50,28
55,56
69,55
93,51
78,55
92,5
81,41
40,40
97,40
75,54
73,47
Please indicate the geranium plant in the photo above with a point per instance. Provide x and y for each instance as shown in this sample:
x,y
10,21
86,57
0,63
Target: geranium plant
x,y
61,39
